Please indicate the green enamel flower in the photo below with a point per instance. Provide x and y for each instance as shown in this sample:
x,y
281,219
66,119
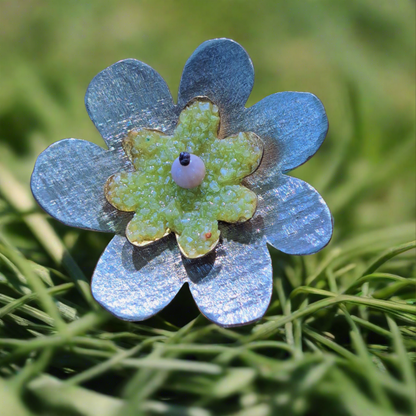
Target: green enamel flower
x,y
161,206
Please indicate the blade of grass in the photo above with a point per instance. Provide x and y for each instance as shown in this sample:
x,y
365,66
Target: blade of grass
x,y
269,328
387,255
13,304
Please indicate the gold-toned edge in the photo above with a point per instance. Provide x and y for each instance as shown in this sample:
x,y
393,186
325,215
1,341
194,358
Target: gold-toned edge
x,y
106,190
254,212
259,141
145,242
212,247
261,145
124,141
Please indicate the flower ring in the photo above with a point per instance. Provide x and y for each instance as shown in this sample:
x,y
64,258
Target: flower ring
x,y
176,170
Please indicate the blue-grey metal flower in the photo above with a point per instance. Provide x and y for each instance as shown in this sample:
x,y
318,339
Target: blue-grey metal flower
x,y
233,284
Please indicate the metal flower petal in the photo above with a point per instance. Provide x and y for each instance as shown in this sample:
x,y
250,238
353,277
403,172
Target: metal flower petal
x,y
293,126
296,218
221,70
134,284
128,95
68,182
233,285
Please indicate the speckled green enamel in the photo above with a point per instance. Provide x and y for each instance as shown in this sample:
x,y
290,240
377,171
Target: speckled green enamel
x,y
161,206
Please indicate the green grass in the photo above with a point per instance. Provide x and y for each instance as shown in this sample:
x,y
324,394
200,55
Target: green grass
x,y
339,336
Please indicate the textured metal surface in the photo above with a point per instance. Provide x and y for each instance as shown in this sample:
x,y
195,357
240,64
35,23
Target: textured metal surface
x,y
231,286
296,220
68,183
294,123
127,95
221,70
135,283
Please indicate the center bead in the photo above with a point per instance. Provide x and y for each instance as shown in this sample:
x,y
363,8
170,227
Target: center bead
x,y
188,170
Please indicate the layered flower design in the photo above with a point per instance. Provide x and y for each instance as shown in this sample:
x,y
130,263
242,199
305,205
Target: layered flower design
x,y
143,268
161,205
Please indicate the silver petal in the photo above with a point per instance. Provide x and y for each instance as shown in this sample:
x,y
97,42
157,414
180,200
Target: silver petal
x,y
292,125
232,286
68,183
127,95
296,219
221,70
135,283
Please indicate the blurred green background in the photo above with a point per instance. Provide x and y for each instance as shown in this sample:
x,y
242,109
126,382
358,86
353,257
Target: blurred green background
x,y
358,57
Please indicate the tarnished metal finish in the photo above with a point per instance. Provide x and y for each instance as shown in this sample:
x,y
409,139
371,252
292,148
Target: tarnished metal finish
x,y
135,283
68,183
128,95
296,220
221,70
233,284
